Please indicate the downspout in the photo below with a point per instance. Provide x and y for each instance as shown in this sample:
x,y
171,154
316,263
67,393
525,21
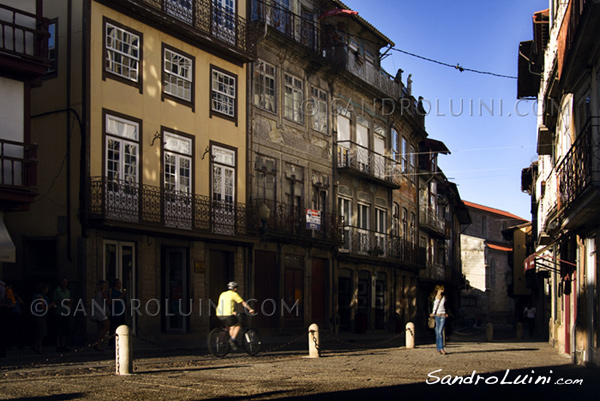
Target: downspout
x,y
68,127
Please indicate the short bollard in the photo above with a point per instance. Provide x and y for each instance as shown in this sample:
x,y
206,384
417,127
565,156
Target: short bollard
x,y
123,351
410,335
489,332
519,331
313,341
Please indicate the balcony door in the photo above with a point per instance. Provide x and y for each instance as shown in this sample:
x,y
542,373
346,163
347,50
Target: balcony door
x,y
364,239
175,297
119,263
224,20
178,168
362,141
223,190
121,168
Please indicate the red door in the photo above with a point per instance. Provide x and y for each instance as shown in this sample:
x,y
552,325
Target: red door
x,y
319,292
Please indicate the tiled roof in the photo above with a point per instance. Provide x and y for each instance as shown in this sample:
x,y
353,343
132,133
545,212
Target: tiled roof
x,y
492,210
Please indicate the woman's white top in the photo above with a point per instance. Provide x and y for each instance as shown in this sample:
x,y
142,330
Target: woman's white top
x,y
439,306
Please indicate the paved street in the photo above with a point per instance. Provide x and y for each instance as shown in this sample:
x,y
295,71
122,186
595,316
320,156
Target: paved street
x,y
348,369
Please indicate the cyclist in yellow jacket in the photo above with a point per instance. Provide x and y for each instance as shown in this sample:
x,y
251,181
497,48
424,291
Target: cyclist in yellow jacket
x,y
226,311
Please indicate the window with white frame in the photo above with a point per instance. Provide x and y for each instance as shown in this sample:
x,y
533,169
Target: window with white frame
x,y
293,98
345,211
122,150
123,49
264,86
319,110
364,238
223,93
178,69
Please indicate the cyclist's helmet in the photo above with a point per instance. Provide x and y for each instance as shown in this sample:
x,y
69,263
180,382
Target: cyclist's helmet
x,y
232,285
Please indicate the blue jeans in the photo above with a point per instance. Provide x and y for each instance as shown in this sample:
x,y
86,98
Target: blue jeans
x,y
440,322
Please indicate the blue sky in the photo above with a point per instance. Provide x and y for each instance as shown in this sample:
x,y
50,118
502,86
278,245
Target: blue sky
x,y
492,137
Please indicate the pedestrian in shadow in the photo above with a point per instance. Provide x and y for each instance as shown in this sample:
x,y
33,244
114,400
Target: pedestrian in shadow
x,y
529,314
116,296
440,315
62,297
100,314
40,306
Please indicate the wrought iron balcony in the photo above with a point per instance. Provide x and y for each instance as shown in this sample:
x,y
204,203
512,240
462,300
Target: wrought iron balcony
x,y
295,27
371,243
429,219
580,167
290,222
363,161
23,42
118,200
216,23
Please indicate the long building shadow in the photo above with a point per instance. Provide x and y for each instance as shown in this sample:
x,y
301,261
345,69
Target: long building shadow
x,y
551,383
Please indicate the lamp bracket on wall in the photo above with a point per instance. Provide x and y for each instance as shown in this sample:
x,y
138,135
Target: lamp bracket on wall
x,y
206,151
157,135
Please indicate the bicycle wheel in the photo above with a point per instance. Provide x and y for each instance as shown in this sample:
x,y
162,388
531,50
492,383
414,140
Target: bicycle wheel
x,y
251,341
218,342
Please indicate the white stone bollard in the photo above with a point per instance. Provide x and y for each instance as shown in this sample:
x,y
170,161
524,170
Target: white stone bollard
x,y
123,351
410,335
313,341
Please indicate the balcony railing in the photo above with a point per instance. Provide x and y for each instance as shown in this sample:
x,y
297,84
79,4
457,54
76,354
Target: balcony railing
x,y
429,218
208,18
371,243
118,200
580,167
24,35
301,29
365,161
290,221
18,165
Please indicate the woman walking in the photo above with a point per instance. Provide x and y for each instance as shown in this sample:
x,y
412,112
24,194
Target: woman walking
x,y
440,315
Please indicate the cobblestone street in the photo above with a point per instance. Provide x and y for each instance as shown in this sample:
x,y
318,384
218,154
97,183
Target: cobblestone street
x,y
343,372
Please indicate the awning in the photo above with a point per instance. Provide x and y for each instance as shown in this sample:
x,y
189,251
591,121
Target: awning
x,y
7,247
538,262
499,247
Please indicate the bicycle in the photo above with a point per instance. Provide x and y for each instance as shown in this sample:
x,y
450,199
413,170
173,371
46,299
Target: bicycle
x,y
218,341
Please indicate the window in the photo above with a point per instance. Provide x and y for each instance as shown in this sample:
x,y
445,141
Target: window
x,y
362,141
293,194
395,146
122,147
266,174
178,168
293,98
396,220
264,86
223,93
122,53
404,153
52,47
121,141
413,228
345,210
412,163
223,189
319,194
381,230
319,110
381,165
404,223
178,75
294,183
364,243
224,18
343,139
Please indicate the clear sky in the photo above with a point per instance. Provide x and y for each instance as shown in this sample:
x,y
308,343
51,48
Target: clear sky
x,y
492,136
